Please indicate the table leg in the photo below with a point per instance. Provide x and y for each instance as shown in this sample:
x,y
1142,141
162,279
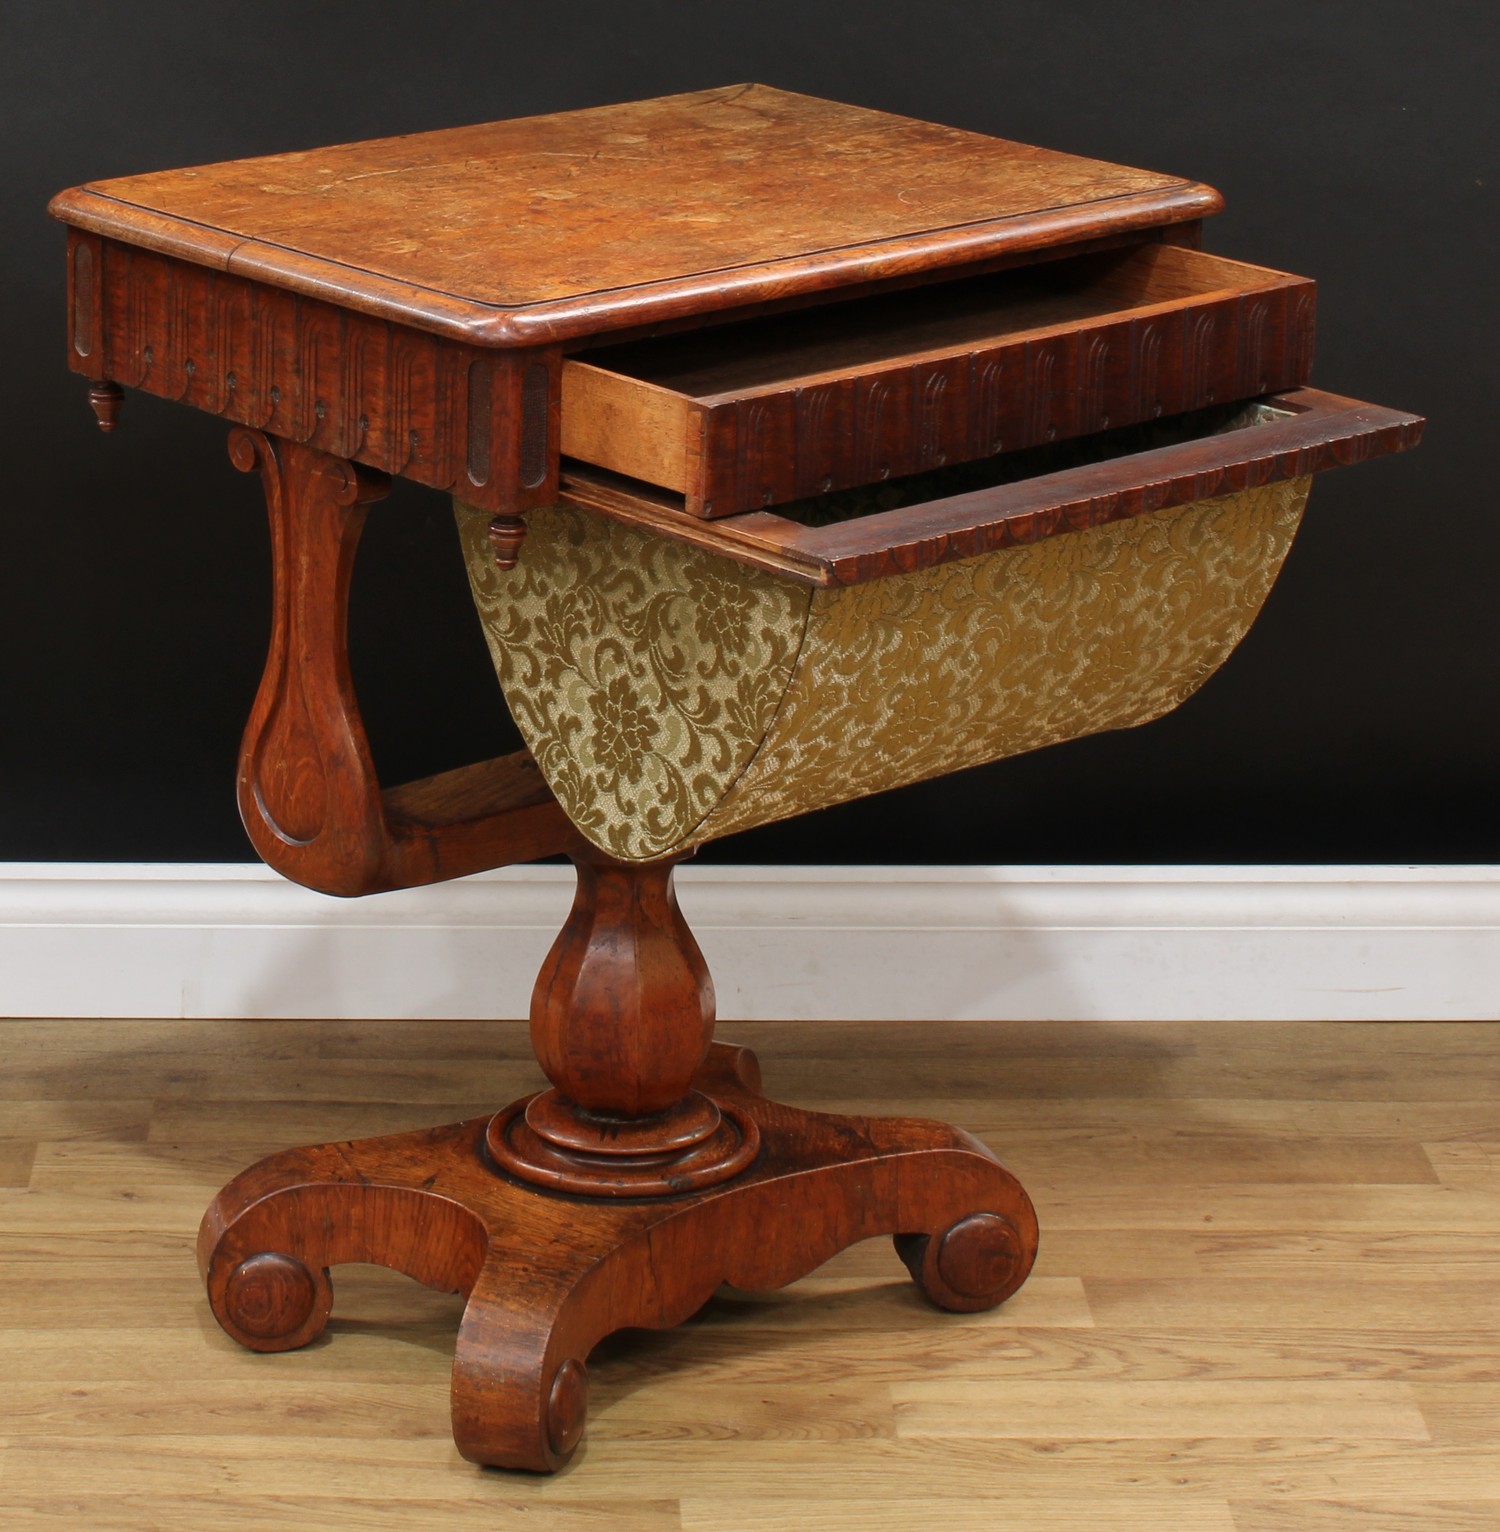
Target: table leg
x,y
549,1271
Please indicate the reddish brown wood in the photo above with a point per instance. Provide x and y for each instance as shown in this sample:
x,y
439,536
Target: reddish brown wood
x,y
778,410
1188,235
964,1265
105,399
393,398
548,1276
86,304
624,1007
403,305
506,534
1319,431
308,791
621,1020
274,1297
770,193
909,281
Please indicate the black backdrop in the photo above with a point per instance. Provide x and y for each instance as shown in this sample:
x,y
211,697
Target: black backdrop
x,y
1355,141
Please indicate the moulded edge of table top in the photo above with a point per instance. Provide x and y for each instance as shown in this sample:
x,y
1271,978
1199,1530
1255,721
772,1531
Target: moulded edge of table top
x,y
1159,202
573,319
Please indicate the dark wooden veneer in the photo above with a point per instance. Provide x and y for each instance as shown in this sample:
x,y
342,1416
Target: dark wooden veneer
x,y
1302,432
773,410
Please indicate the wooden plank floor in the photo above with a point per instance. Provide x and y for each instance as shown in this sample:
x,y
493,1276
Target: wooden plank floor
x,y
1268,1297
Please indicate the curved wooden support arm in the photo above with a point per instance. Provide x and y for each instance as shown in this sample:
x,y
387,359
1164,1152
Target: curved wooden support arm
x,y
308,791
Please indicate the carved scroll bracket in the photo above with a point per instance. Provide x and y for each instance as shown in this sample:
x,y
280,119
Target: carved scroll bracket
x,y
308,790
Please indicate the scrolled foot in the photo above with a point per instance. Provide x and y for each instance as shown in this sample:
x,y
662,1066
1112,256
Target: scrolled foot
x,y
272,1302
520,1387
970,1266
567,1408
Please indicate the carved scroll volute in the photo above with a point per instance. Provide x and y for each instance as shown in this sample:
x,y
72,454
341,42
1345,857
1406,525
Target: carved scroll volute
x,y
308,792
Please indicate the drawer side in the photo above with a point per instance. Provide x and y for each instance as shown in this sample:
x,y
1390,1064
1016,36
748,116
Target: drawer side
x,y
625,424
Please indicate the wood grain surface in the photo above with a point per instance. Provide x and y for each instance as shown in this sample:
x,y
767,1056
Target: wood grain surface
x,y
1266,1299
390,396
541,228
1303,432
309,796
772,410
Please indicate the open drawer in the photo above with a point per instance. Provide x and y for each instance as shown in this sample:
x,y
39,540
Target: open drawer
x,y
1023,497
678,679
776,409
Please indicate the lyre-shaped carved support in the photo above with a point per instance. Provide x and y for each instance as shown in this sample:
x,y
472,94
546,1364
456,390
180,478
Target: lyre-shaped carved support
x,y
308,791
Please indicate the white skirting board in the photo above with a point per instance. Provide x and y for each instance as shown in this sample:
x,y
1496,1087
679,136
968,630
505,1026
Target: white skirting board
x,y
784,943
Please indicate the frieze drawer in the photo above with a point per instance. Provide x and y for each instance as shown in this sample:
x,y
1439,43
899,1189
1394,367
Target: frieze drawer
x,y
774,410
961,512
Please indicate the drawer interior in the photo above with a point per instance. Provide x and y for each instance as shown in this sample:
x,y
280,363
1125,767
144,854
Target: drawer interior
x,y
810,346
1033,462
769,410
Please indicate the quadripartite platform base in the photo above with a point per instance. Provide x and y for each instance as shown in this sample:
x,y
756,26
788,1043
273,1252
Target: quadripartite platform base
x,y
549,1274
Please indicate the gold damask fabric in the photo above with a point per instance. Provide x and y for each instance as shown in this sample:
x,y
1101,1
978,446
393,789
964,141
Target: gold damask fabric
x,y
671,696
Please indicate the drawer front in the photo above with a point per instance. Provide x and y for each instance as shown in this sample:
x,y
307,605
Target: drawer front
x,y
768,412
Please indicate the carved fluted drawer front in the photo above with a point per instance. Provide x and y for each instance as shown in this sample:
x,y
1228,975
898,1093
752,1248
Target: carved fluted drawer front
x,y
678,680
773,410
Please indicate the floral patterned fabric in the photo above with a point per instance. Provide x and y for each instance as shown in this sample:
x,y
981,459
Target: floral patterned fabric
x,y
642,674
671,696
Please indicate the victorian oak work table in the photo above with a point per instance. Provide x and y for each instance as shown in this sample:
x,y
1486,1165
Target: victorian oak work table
x,y
799,451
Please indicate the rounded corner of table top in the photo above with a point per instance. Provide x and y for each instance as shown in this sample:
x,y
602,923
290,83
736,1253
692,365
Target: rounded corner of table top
x,y
63,205
732,196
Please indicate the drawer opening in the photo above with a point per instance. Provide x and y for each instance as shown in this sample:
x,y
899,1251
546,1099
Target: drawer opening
x,y
848,537
846,505
776,409
812,345
1016,467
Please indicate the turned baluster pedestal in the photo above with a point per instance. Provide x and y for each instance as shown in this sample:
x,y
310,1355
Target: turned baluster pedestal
x,y
651,1172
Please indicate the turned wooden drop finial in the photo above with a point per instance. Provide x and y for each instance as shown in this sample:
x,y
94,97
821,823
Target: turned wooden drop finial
x,y
507,533
106,398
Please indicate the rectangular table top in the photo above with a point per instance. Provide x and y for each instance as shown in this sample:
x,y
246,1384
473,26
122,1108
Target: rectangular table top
x,y
544,228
